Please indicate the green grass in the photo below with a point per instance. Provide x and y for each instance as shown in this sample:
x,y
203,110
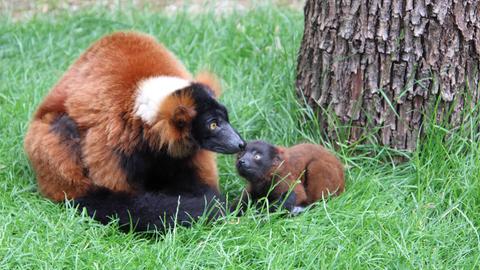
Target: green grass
x,y
421,214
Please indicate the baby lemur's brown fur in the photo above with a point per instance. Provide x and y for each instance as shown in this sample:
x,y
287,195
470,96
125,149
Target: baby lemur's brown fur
x,y
319,172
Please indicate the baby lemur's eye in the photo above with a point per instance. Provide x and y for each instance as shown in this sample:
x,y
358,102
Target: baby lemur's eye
x,y
213,125
257,156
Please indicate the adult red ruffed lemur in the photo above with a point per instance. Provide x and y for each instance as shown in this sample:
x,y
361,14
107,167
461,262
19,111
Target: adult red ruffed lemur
x,y
128,132
272,170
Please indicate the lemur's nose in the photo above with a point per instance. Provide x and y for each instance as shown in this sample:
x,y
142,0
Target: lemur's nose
x,y
242,145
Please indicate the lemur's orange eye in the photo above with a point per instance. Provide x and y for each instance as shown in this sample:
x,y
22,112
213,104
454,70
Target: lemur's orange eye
x,y
213,125
257,157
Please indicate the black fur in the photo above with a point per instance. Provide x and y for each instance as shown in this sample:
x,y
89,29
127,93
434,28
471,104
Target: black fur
x,y
285,201
168,189
151,171
150,211
66,128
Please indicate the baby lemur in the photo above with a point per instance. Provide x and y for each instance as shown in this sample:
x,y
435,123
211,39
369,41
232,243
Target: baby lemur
x,y
273,170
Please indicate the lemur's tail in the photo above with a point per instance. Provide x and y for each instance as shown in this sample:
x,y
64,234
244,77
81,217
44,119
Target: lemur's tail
x,y
150,211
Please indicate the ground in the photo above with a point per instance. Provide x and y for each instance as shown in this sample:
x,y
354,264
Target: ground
x,y
422,213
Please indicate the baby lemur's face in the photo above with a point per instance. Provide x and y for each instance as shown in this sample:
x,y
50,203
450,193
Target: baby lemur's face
x,y
256,160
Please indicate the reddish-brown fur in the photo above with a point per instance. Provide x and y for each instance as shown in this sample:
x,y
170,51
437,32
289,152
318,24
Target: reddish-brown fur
x,y
318,171
98,93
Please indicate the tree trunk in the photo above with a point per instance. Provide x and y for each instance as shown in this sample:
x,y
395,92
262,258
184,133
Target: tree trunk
x,y
379,67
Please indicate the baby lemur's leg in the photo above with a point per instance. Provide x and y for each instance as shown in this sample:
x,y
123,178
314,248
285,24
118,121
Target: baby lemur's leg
x,y
287,200
301,200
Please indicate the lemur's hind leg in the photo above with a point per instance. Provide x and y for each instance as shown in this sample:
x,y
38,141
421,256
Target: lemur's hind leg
x,y
53,146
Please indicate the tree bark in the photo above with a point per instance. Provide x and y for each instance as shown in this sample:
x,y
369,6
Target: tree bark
x,y
379,67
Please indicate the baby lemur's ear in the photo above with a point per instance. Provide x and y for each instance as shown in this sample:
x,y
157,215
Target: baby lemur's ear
x,y
277,161
278,157
211,81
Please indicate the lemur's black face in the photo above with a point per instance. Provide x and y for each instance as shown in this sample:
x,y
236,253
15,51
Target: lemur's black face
x,y
256,160
211,128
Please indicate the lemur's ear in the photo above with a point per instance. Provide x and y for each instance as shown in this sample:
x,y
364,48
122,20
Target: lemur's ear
x,y
279,151
182,116
211,81
278,158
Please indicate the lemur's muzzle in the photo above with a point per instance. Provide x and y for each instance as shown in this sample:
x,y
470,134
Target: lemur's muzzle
x,y
226,141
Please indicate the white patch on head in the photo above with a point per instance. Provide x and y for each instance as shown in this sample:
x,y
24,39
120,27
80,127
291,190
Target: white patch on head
x,y
152,92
